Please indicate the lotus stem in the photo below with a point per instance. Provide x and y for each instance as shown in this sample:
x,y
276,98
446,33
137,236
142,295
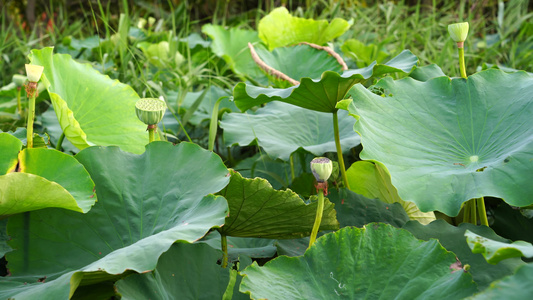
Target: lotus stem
x,y
224,244
268,68
318,218
60,141
31,90
331,52
466,212
482,211
473,212
339,149
461,49
151,133
291,161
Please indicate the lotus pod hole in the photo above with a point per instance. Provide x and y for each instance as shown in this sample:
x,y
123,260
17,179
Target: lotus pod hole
x,y
458,31
150,110
34,72
321,168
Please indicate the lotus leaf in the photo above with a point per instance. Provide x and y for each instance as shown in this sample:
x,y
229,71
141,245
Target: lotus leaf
x,y
517,286
452,238
92,109
372,181
363,54
496,251
377,261
352,210
288,60
232,45
281,129
445,141
425,73
146,203
279,29
258,210
320,94
177,277
39,178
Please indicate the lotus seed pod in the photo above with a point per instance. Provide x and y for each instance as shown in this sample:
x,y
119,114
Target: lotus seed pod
x,y
141,23
34,72
151,21
150,110
321,168
458,31
19,80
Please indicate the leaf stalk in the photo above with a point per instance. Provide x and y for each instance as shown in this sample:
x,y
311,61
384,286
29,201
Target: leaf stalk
x,y
339,149
318,218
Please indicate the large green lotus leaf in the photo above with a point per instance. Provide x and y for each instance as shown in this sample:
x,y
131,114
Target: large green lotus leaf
x,y
185,271
515,287
237,246
288,60
281,129
452,238
91,108
279,29
232,46
352,210
46,178
146,203
10,147
372,181
376,262
495,251
447,141
258,210
24,289
320,94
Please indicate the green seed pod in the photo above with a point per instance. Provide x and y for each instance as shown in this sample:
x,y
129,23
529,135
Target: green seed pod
x,y
19,80
321,168
150,110
34,72
458,31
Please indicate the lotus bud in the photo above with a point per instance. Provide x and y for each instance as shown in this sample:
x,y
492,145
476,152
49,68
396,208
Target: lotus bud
x,y
321,168
19,80
34,72
458,32
150,110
